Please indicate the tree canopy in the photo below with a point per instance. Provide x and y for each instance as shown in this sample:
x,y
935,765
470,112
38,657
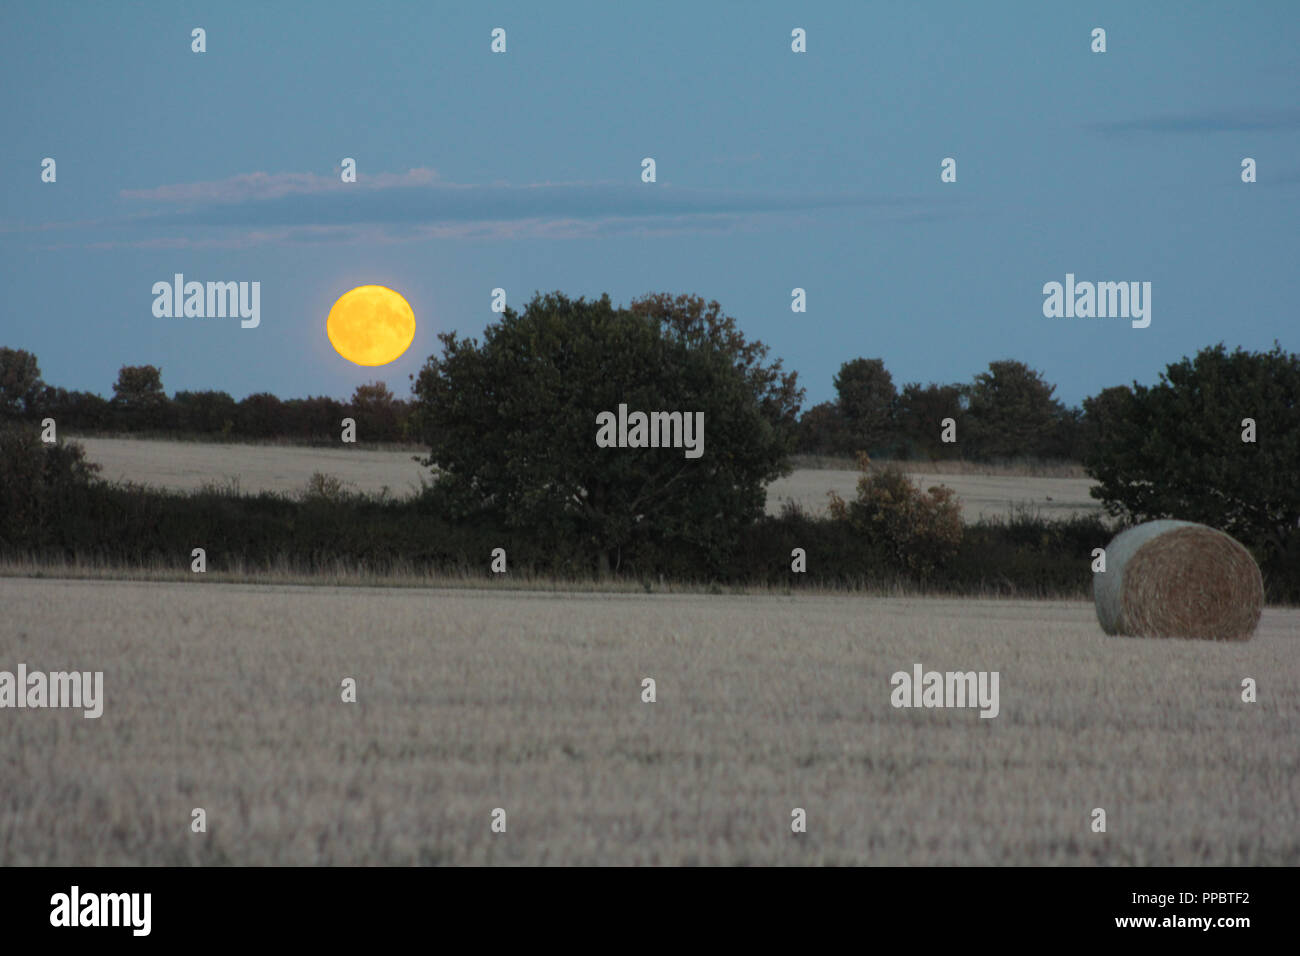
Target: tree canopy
x,y
1176,449
511,423
1012,412
868,401
20,382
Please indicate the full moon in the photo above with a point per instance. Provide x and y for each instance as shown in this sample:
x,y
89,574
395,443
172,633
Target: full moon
x,y
371,325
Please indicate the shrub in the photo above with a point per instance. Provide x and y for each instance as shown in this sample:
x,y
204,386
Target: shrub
x,y
322,487
39,486
920,531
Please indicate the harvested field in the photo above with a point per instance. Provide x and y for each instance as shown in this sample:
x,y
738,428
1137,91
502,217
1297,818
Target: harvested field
x,y
186,466
227,697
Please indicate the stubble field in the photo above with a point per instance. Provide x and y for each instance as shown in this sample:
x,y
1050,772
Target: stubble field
x,y
227,697
187,466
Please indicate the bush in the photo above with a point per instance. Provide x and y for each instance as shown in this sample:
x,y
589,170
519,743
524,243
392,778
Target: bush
x,y
41,488
82,411
1028,555
919,531
325,488
69,517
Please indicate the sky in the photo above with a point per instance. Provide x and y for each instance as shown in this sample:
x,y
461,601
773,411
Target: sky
x,y
774,170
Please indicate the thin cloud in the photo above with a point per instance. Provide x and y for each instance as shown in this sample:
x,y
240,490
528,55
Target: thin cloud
x,y
387,234
258,209
456,203
1245,121
249,187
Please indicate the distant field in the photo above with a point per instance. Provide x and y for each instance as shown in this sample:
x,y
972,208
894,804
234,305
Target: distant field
x,y
286,468
981,495
186,466
226,697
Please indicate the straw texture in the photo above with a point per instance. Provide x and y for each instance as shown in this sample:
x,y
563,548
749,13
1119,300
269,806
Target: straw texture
x,y
1178,579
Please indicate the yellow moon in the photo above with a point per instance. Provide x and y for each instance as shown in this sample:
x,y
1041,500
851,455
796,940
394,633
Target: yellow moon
x,y
370,325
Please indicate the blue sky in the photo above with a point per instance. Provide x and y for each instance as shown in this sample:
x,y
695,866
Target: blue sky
x,y
775,170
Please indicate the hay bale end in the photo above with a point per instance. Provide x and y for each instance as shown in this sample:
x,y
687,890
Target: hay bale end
x,y
1178,579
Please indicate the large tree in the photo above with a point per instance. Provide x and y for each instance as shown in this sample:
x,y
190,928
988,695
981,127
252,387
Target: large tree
x,y
20,382
822,431
317,416
380,415
1012,414
1101,413
921,411
1176,449
512,423
209,412
260,415
138,397
869,403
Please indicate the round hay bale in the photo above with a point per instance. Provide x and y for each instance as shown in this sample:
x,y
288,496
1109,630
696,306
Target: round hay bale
x,y
1178,579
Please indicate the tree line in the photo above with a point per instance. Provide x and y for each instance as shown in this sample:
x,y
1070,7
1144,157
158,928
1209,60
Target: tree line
x,y
509,422
1008,411
140,405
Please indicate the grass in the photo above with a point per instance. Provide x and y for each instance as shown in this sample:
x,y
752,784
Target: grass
x,y
406,575
339,573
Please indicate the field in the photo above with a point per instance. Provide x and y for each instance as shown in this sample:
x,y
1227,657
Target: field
x,y
982,496
186,466
227,697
